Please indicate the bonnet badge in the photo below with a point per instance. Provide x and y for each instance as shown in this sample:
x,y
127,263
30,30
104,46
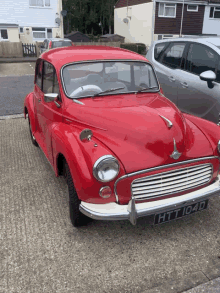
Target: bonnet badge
x,y
175,155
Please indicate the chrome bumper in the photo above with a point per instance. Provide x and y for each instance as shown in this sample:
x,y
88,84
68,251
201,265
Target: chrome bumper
x,y
132,211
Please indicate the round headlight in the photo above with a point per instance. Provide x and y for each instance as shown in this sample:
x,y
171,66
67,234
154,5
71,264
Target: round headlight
x,y
106,168
219,146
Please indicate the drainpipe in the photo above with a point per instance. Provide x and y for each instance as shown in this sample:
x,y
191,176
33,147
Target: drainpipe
x,y
153,21
182,20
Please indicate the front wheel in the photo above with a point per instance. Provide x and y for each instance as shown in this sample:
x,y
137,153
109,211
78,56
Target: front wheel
x,y
76,217
31,133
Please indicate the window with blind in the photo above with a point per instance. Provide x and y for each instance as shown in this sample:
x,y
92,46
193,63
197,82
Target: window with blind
x,y
167,10
39,3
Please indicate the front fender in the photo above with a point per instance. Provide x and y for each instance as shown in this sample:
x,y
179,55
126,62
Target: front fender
x,y
81,157
209,129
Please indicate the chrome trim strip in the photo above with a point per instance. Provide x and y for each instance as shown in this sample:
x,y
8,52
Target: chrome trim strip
x,y
132,211
160,167
78,102
106,60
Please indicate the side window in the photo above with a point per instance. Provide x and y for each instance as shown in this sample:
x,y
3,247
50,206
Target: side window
x,y
201,58
39,73
50,81
158,49
173,55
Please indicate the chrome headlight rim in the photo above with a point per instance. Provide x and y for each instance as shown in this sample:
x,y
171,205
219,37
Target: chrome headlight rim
x,y
102,160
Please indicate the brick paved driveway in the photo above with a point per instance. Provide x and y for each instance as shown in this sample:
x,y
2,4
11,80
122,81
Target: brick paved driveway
x,y
40,251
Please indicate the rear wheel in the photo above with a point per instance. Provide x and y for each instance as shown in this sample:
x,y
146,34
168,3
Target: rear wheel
x,y
31,133
76,217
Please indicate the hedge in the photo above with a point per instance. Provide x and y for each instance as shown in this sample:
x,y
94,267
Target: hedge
x,y
135,47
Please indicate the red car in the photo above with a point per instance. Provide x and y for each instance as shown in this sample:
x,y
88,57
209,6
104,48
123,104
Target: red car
x,y
126,151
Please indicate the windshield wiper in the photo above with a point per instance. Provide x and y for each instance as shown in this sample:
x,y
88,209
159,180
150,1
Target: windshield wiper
x,y
108,91
146,89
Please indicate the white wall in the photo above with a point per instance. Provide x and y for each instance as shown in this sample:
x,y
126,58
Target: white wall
x,y
139,27
19,12
210,25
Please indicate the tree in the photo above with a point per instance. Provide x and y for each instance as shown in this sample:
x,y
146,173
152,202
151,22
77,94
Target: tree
x,y
86,15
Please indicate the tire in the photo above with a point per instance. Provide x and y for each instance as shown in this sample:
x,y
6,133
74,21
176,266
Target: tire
x,y
76,217
32,136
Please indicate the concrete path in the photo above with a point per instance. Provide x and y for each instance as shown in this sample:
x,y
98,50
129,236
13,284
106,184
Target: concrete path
x,y
16,81
40,251
14,60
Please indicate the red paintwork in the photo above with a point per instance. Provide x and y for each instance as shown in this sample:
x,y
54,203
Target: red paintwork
x,y
127,126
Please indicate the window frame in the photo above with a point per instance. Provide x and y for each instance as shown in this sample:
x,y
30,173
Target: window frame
x,y
3,29
162,3
191,10
37,6
36,74
214,12
203,45
41,30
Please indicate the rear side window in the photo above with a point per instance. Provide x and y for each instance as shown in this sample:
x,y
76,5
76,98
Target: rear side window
x,y
50,82
158,49
173,55
201,58
38,79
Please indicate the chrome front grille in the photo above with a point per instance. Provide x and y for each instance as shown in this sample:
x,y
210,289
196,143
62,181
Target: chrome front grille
x,y
171,182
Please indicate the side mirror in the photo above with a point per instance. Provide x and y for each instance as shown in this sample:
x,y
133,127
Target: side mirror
x,y
208,76
51,97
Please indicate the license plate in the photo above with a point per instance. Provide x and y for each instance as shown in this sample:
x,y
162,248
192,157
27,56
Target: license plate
x,y
180,212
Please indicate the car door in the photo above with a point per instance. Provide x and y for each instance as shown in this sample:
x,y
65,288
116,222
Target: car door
x,y
168,67
38,96
51,112
194,95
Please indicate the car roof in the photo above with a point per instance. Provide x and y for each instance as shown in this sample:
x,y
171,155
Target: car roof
x,y
203,40
61,56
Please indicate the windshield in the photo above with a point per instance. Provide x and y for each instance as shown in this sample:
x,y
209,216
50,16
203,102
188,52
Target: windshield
x,y
58,44
91,78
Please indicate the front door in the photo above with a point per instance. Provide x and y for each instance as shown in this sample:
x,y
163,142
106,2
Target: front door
x,y
168,67
194,95
52,111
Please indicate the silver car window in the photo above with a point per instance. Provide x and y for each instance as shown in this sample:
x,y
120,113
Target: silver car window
x,y
201,58
158,49
173,55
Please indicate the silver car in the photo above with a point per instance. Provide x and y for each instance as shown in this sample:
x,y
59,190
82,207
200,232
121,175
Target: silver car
x,y
54,43
188,70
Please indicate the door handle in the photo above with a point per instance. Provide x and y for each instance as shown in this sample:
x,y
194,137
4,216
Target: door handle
x,y
184,84
39,100
171,78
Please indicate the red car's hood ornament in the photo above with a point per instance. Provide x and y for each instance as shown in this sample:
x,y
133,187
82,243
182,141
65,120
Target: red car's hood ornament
x,y
175,154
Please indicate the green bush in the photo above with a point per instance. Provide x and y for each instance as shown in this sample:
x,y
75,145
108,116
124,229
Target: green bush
x,y
135,47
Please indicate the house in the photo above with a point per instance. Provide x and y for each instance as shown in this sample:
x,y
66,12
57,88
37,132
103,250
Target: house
x,y
76,36
144,20
112,38
30,20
